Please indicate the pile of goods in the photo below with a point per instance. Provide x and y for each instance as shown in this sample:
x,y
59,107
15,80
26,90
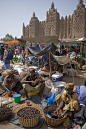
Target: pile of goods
x,y
28,113
29,116
5,113
24,105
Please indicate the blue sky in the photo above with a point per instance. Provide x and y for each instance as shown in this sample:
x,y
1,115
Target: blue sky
x,y
14,12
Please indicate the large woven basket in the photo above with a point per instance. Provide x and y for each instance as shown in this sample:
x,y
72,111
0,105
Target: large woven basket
x,y
52,121
18,107
29,122
5,117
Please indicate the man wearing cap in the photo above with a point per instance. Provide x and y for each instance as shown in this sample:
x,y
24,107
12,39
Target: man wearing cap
x,y
68,101
2,52
6,61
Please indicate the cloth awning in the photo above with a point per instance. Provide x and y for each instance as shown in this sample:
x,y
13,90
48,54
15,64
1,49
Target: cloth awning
x,y
62,60
37,51
11,42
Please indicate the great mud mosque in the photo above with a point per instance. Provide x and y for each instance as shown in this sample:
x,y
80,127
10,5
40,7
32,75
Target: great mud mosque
x,y
73,26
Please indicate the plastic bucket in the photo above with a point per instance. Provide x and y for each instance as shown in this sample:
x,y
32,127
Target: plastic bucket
x,y
17,98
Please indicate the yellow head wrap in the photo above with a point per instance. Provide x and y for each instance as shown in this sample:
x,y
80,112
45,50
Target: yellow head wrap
x,y
69,85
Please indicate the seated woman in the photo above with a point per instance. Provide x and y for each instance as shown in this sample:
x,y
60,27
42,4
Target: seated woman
x,y
80,116
33,83
68,101
11,83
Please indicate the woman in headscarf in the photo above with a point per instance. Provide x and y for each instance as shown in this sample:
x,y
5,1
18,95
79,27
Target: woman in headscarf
x,y
11,82
68,101
33,83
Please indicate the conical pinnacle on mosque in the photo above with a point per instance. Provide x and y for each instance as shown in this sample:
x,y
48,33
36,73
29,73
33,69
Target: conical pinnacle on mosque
x,y
80,1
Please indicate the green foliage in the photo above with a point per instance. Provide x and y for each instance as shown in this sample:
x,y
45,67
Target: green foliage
x,y
8,36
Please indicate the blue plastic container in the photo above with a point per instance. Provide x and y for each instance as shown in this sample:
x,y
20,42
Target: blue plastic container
x,y
57,77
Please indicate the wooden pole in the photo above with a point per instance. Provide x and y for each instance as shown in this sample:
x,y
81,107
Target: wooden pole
x,y
60,49
38,61
50,66
72,73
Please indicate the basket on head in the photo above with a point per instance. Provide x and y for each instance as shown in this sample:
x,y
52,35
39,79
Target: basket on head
x,y
52,121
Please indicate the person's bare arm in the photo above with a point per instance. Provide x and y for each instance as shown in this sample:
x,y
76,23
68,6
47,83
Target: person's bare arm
x,y
8,91
60,106
4,55
25,82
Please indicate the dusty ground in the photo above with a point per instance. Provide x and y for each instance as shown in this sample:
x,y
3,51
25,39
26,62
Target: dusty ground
x,y
79,80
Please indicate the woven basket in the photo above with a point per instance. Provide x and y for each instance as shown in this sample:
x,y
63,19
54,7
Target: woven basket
x,y
18,107
29,122
5,117
52,121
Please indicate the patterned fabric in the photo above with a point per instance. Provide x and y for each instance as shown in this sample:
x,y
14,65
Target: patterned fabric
x,y
72,103
1,86
66,122
11,84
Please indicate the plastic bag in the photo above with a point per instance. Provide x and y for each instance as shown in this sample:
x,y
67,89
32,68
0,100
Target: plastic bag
x,y
53,90
79,121
84,126
77,127
51,100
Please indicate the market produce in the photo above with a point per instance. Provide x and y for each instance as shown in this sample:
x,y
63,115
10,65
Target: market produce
x,y
28,113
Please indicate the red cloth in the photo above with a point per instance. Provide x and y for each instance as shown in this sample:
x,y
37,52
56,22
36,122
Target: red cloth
x,y
6,95
23,51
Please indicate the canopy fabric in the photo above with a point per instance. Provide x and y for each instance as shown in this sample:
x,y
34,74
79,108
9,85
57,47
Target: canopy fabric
x,y
35,50
82,39
62,60
11,42
40,52
58,45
